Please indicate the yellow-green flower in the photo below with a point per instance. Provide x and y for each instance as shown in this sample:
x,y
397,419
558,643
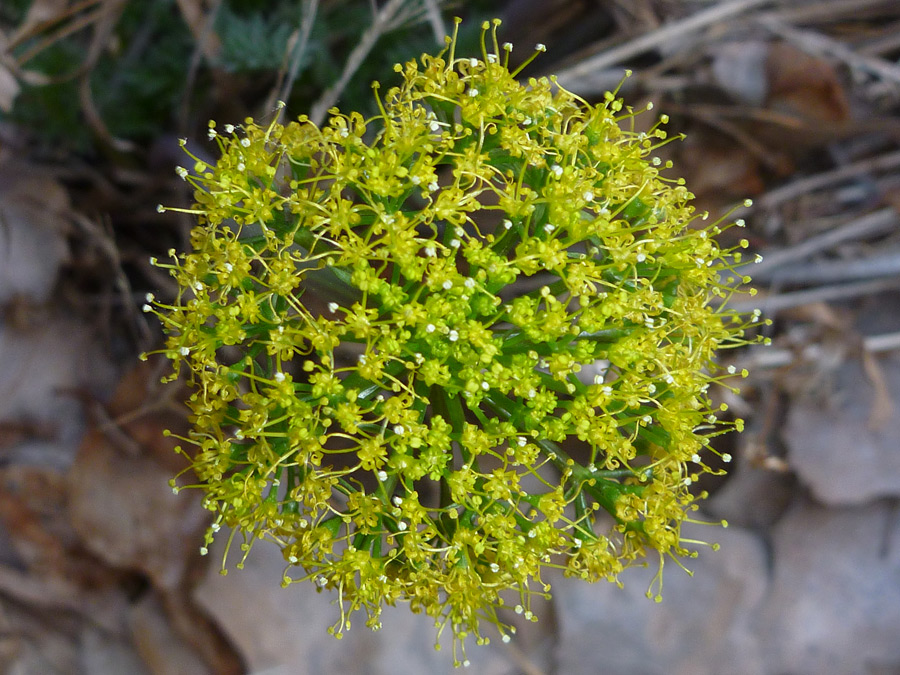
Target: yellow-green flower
x,y
431,348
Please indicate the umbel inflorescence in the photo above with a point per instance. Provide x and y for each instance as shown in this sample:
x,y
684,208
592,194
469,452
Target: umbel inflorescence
x,y
437,352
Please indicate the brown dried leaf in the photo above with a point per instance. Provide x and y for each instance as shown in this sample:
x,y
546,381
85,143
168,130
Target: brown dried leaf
x,y
60,574
804,85
119,496
161,649
126,514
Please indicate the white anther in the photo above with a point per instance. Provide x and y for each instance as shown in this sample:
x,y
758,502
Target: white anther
x,y
333,307
279,376
453,336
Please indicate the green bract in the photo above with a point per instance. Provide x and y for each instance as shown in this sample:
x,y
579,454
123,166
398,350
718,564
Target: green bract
x,y
440,350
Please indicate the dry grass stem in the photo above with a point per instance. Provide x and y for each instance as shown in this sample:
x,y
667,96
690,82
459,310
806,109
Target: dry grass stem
x,y
379,23
570,77
873,224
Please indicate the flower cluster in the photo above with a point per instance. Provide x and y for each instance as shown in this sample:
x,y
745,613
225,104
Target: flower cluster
x,y
437,352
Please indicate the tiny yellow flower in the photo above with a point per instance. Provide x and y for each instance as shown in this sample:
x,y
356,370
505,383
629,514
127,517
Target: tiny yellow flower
x,y
392,328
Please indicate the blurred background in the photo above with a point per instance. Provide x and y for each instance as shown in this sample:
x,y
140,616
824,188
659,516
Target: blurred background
x,y
793,103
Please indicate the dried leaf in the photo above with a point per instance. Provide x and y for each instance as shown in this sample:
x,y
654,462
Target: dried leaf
x,y
125,512
119,496
804,85
32,232
161,649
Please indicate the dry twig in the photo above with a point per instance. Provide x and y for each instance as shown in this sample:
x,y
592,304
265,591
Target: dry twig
x,y
571,77
379,22
873,224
